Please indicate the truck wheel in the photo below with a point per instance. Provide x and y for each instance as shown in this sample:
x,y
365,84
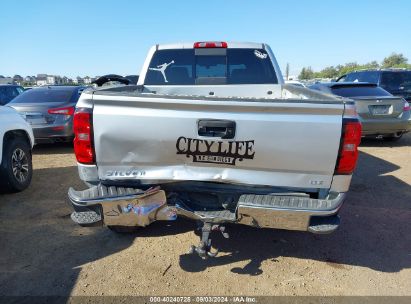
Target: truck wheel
x,y
394,137
124,229
16,169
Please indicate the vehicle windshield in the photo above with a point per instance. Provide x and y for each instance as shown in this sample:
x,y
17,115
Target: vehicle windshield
x,y
210,66
44,95
396,81
359,91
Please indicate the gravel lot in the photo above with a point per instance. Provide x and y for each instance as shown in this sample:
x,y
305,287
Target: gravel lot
x,y
44,253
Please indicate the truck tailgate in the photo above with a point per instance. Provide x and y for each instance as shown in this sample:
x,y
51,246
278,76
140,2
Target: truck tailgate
x,y
286,143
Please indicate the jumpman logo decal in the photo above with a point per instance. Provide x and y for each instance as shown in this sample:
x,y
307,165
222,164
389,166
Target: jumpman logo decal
x,y
162,68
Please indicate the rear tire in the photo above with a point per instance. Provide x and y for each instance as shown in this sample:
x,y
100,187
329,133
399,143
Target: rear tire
x,y
16,169
394,137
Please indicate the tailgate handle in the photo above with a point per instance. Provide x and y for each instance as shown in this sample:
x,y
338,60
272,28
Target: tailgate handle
x,y
224,129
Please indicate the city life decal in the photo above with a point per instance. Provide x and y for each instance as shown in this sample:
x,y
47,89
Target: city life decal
x,y
209,151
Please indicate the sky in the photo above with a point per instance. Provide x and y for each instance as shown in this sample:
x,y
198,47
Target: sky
x,y
89,37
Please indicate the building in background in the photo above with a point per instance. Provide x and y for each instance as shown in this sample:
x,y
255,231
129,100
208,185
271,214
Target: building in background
x,y
31,80
45,79
6,80
87,80
41,79
64,80
17,79
51,79
54,80
79,80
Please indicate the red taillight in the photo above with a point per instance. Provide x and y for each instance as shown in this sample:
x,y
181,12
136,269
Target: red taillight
x,y
83,136
406,106
62,111
351,138
210,44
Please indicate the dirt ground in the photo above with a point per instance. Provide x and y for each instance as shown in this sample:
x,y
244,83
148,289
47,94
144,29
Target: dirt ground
x,y
44,253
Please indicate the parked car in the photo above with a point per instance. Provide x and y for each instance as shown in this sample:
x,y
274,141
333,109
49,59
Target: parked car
x,y
50,111
381,114
16,142
296,83
395,81
8,92
212,133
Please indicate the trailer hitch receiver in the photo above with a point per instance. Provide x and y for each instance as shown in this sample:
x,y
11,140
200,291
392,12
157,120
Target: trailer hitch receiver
x,y
204,248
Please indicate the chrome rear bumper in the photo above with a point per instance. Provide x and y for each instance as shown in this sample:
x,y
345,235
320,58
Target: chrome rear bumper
x,y
290,212
286,212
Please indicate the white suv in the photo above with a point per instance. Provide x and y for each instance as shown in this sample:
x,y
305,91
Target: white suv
x,y
16,143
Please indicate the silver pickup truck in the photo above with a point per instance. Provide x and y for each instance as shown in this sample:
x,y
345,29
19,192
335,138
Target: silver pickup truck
x,y
211,132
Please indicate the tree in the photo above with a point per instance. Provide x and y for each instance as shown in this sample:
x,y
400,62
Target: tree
x,y
394,60
328,72
373,64
302,74
306,73
349,67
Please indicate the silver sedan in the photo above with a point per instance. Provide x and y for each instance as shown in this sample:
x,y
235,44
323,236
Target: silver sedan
x,y
50,111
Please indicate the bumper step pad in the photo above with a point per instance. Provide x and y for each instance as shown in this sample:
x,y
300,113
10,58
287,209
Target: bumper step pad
x,y
324,225
86,218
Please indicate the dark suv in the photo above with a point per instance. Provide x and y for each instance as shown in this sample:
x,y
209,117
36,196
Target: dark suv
x,y
395,81
8,92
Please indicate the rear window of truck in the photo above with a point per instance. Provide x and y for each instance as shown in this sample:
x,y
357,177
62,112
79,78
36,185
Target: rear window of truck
x,y
210,66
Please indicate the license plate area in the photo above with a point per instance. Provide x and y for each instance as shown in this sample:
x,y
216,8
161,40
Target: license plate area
x,y
35,118
380,109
